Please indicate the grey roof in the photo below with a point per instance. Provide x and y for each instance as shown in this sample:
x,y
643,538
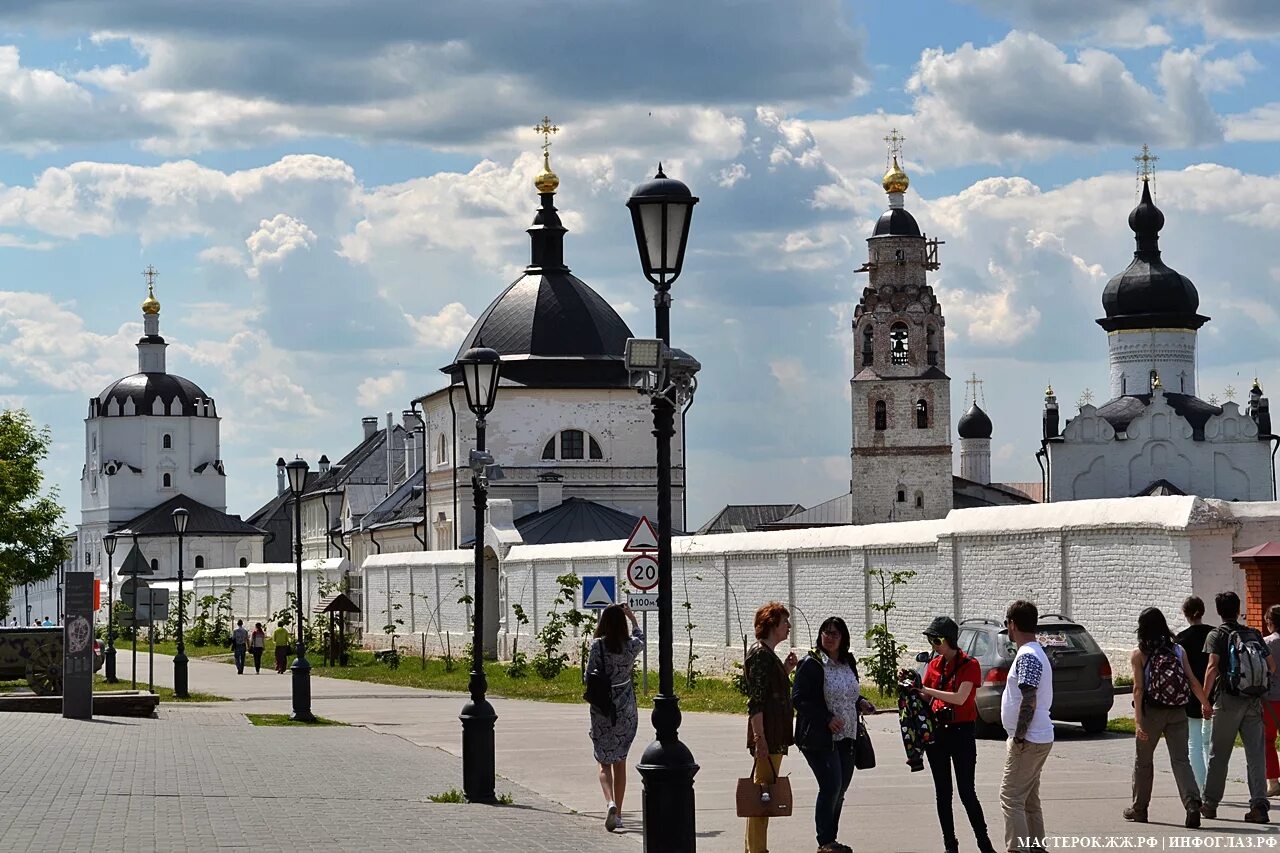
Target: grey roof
x,y
366,463
202,521
974,423
574,520
966,494
1160,487
145,388
896,222
1122,410
830,513
404,504
739,518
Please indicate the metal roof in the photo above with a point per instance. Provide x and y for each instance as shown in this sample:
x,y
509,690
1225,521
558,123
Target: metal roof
x,y
202,520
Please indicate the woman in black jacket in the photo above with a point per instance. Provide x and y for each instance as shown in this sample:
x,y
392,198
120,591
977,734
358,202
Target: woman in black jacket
x,y
827,700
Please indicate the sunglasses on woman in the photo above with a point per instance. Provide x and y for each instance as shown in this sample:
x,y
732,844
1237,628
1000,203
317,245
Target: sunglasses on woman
x,y
935,641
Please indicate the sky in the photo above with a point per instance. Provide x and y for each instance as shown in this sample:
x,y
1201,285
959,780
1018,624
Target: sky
x,y
332,192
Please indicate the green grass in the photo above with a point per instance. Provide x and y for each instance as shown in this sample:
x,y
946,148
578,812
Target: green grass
x,y
453,795
283,720
124,646
1126,726
707,694
100,685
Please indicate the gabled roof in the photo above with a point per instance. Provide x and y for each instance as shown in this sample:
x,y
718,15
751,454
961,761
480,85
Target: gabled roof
x,y
365,463
738,518
574,520
966,494
202,521
404,504
836,511
1266,549
1160,487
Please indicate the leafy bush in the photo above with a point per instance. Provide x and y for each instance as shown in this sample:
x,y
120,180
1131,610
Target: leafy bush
x,y
882,664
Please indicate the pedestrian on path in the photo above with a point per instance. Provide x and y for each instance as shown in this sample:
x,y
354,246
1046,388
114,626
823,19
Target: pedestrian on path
x,y
1239,675
1025,714
951,681
280,637
239,644
768,682
1162,683
614,654
1199,727
828,702
1271,705
257,645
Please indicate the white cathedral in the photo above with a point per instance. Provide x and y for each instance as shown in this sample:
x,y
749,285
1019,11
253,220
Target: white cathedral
x,y
152,445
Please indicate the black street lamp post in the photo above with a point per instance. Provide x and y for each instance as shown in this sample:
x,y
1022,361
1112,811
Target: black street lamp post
x,y
661,210
109,545
480,367
180,516
297,471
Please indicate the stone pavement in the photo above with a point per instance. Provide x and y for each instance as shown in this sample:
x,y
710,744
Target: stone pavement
x,y
204,778
545,747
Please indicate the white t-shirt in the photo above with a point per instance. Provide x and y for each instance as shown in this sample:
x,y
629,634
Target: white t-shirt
x,y
1030,667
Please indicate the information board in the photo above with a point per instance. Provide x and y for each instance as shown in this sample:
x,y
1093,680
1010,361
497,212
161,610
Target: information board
x,y
77,646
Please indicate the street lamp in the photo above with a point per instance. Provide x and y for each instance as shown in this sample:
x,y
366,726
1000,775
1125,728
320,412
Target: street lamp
x,y
661,210
297,471
109,545
180,659
480,367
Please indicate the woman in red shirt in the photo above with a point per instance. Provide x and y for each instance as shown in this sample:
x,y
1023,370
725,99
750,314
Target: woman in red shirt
x,y
951,681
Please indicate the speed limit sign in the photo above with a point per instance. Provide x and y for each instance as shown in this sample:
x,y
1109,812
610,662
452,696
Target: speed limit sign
x,y
642,572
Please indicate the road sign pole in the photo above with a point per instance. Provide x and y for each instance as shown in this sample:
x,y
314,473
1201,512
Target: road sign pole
x,y
135,654
151,653
644,654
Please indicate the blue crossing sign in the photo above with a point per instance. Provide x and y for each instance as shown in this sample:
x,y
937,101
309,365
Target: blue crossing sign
x,y
599,591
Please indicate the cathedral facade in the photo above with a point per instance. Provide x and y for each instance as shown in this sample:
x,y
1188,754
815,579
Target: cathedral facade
x,y
1154,435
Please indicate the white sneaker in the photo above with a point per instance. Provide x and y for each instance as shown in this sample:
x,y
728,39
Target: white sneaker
x,y
611,820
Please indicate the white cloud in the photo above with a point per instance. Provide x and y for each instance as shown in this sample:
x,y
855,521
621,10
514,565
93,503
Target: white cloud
x,y
380,391
445,329
276,238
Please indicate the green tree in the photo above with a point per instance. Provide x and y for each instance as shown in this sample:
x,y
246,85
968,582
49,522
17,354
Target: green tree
x,y
882,664
31,546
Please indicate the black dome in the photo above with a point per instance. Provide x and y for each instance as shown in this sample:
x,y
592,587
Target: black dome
x,y
145,388
974,423
896,222
1149,293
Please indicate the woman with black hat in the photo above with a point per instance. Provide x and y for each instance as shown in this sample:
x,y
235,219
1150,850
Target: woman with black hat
x,y
951,681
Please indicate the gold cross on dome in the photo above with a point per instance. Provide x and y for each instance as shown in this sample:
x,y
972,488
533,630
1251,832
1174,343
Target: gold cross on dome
x,y
546,128
894,140
974,386
150,274
1146,163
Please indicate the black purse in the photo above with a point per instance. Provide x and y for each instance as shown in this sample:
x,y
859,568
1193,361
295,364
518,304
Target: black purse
x,y
599,692
864,754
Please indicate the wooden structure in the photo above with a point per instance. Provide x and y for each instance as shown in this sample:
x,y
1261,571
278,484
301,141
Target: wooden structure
x,y
335,648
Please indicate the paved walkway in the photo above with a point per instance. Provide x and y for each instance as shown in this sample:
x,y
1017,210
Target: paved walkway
x,y
1086,781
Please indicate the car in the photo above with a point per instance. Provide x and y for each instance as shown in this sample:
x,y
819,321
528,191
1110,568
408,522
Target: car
x,y
1082,689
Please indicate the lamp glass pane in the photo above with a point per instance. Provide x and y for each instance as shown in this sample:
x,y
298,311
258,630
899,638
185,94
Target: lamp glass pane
x,y
486,381
297,477
651,221
676,214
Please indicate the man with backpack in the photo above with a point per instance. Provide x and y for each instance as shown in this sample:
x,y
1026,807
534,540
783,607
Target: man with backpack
x,y
1239,675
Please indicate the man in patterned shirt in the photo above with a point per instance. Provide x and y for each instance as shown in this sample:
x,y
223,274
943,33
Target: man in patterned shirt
x,y
1024,711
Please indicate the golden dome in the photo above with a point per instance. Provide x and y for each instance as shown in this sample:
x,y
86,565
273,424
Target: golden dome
x,y
546,180
895,180
151,305
1048,391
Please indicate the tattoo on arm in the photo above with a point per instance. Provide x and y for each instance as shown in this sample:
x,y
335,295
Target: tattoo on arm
x,y
1026,711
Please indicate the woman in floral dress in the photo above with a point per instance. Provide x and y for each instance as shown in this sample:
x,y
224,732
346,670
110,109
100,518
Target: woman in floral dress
x,y
614,654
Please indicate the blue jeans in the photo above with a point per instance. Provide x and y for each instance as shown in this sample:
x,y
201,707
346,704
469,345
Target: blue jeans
x,y
833,769
1199,736
239,654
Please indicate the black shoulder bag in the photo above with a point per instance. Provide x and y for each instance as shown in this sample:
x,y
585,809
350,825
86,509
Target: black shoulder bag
x,y
599,692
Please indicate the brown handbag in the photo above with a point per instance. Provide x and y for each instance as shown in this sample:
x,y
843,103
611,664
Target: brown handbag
x,y
764,799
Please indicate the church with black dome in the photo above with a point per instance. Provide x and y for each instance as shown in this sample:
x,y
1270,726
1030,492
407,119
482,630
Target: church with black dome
x,y
1155,435
152,445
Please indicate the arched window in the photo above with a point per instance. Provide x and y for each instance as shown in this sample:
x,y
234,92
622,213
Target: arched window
x,y
155,565
593,448
199,561
868,345
244,561
922,414
898,343
571,441
167,442
882,416
167,480
1123,384
919,500
902,496
549,452
931,345
442,449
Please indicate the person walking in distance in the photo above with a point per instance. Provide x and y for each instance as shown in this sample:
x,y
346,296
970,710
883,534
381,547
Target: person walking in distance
x,y
613,654
951,684
768,682
1162,683
1024,711
1271,705
1238,677
257,645
239,645
1199,727
280,639
828,703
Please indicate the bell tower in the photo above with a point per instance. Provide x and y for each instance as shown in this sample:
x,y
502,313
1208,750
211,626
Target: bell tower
x,y
901,452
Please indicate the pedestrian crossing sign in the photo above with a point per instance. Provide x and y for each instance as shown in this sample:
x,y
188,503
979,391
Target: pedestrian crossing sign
x,y
598,591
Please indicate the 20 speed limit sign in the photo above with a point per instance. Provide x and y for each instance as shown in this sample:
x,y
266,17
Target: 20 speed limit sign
x,y
642,572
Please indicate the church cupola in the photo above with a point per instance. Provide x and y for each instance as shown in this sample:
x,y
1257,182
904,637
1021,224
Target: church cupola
x,y
974,429
1050,419
1151,310
151,346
